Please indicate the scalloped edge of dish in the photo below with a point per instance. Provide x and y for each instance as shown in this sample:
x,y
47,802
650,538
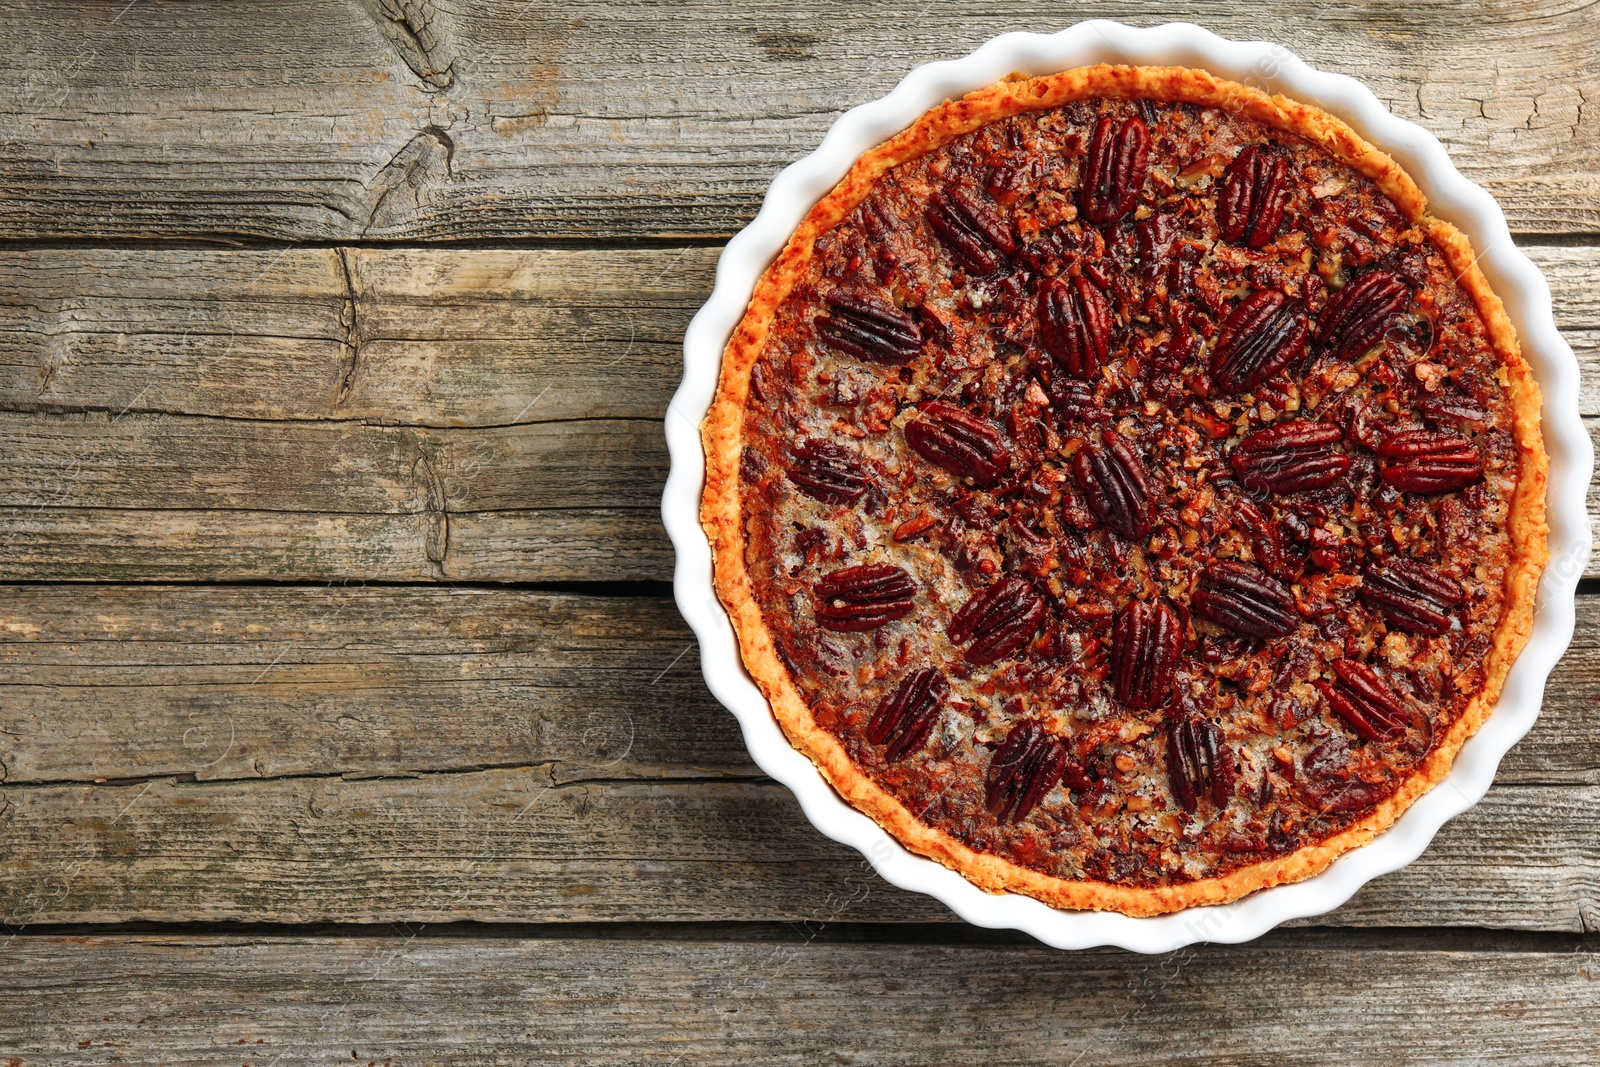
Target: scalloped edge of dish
x,y
1274,69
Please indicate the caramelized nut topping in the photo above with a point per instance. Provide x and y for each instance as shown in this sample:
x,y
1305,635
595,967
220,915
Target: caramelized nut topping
x,y
1187,470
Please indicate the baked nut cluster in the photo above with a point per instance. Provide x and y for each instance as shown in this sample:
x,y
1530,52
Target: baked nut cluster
x,y
1125,487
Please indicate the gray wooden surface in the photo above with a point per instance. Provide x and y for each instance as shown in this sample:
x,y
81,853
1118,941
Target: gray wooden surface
x,y
344,711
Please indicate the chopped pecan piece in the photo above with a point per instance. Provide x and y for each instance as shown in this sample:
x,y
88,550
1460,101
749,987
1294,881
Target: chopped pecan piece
x,y
1359,314
1199,763
1075,325
1412,596
869,327
1290,457
1115,483
1260,337
826,472
1115,169
952,437
1364,701
1247,600
1026,766
998,620
1429,461
1145,643
975,232
1255,190
905,718
864,597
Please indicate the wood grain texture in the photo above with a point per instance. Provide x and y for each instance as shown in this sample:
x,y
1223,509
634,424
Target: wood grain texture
x,y
413,337
512,845
1289,1000
360,414
633,119
539,738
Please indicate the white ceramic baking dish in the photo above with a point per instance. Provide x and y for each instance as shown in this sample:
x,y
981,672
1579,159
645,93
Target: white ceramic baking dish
x,y
1269,67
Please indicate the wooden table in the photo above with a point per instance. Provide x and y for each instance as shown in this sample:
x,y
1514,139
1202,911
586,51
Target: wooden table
x,y
345,715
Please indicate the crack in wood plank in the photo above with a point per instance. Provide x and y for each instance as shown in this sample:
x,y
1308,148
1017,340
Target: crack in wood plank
x,y
420,35
350,319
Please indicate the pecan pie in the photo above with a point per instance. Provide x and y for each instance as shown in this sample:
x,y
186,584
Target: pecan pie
x,y
1124,491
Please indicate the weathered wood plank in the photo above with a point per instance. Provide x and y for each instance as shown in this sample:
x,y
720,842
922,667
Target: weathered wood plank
x,y
130,682
320,497
512,844
459,1000
421,337
637,119
127,682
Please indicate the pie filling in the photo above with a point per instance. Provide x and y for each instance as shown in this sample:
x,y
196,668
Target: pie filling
x,y
1125,487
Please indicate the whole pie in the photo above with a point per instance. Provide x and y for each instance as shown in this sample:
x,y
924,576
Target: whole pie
x,y
1124,491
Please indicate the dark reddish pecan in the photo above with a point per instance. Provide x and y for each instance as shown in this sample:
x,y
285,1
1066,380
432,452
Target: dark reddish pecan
x,y
974,231
997,621
1114,170
1290,457
1075,325
1145,644
1199,763
1260,337
1333,796
1364,701
1359,314
828,472
905,718
869,327
1246,599
1255,189
1414,597
1072,399
959,441
1266,540
864,597
1429,461
1026,766
1115,483
1454,407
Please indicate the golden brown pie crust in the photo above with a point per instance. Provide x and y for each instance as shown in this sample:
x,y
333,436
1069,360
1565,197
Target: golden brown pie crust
x,y
722,429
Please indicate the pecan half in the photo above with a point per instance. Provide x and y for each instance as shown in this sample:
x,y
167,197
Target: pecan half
x,y
1115,169
975,232
1359,314
1266,540
1026,766
1246,599
1255,189
905,717
1075,325
1199,763
864,597
1145,643
952,437
869,327
826,472
1290,457
1259,338
998,620
1411,596
1364,701
1115,484
1429,461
